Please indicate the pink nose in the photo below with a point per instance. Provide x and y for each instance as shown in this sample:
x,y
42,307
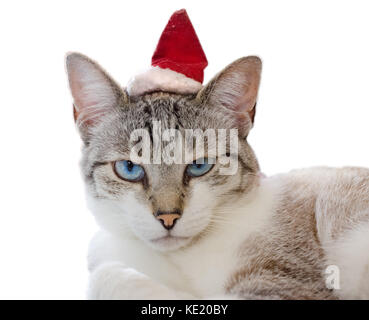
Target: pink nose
x,y
168,220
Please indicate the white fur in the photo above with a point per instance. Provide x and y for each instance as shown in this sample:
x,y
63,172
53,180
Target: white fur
x,y
199,270
158,79
350,254
115,281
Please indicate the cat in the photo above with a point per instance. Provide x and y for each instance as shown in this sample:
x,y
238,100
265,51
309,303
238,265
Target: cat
x,y
168,233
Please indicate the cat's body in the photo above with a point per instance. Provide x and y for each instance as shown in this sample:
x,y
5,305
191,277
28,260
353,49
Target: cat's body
x,y
235,236
278,245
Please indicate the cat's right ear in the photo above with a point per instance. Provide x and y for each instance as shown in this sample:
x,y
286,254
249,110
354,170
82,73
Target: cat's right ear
x,y
94,92
235,89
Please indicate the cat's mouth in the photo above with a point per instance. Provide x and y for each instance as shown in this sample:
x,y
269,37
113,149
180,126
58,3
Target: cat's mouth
x,y
169,239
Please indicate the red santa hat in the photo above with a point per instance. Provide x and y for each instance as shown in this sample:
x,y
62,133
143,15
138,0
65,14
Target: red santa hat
x,y
178,62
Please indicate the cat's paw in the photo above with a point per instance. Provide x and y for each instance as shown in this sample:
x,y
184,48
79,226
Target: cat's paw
x,y
115,281
111,281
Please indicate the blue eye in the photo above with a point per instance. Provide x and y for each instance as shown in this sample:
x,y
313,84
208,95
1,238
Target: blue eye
x,y
198,169
128,170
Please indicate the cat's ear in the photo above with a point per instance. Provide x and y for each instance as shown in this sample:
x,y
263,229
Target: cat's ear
x,y
94,92
236,88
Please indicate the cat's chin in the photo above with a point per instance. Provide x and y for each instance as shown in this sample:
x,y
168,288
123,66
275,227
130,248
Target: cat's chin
x,y
169,243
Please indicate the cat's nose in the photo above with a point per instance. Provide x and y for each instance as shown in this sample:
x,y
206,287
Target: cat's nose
x,y
168,219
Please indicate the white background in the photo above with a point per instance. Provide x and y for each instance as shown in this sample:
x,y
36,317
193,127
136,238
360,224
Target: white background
x,y
313,107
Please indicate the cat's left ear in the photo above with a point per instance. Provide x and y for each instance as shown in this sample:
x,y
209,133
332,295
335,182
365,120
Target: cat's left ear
x,y
236,89
94,92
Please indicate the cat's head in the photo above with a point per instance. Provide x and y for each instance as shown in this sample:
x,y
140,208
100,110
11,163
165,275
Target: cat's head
x,y
168,206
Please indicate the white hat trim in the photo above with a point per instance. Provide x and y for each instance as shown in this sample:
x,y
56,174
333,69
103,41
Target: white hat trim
x,y
158,79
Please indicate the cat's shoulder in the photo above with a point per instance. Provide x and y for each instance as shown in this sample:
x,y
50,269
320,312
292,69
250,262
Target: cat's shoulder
x,y
333,195
312,189
324,178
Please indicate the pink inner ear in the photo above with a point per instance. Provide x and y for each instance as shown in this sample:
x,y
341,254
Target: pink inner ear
x,y
245,104
250,90
89,115
87,108
84,109
85,119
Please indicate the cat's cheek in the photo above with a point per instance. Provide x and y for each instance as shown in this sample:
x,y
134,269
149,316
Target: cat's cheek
x,y
125,215
140,219
201,195
198,210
